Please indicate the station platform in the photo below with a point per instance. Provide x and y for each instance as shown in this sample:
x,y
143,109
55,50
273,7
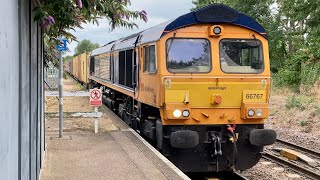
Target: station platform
x,y
116,153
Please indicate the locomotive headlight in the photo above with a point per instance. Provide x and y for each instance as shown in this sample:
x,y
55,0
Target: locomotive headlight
x,y
177,113
250,112
185,113
259,112
217,30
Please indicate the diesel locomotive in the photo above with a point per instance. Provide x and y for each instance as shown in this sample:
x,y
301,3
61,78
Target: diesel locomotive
x,y
197,87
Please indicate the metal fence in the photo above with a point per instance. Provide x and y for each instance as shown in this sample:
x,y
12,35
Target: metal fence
x,y
51,77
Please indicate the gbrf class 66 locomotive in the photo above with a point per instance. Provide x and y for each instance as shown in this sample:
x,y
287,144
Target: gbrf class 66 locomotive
x,y
197,87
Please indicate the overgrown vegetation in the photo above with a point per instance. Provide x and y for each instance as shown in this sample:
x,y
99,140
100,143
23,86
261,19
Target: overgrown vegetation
x,y
293,102
303,102
293,28
304,123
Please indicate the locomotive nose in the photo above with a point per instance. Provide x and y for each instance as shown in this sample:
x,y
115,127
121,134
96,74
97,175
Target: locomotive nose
x,y
262,137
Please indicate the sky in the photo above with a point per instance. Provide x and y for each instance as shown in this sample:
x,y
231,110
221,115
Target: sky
x,y
158,11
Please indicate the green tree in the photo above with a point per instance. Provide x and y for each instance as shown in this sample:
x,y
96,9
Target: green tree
x,y
300,21
202,3
58,17
293,28
85,46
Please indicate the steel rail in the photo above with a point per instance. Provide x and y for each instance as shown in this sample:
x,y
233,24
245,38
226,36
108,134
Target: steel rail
x,y
307,172
217,175
239,176
299,148
227,176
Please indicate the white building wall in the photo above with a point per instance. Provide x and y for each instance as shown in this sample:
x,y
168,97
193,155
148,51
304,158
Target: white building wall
x,y
21,92
9,89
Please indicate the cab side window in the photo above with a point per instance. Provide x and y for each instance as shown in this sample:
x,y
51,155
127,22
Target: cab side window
x,y
150,59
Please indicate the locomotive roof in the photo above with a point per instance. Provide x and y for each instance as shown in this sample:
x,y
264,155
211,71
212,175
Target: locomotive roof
x,y
214,13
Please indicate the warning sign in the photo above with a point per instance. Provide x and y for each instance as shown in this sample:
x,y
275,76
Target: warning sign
x,y
95,97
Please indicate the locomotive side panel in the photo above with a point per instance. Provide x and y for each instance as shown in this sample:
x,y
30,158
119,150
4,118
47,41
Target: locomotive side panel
x,y
149,79
115,57
101,66
104,67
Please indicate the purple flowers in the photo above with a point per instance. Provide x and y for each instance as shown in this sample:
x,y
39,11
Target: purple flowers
x,y
79,3
143,15
49,20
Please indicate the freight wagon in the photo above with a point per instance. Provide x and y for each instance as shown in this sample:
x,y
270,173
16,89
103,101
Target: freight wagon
x,y
78,67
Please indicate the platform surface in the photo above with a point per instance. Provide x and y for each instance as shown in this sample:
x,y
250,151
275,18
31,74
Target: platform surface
x,y
113,154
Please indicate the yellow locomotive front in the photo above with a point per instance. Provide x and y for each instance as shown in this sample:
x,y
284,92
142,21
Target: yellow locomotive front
x,y
214,95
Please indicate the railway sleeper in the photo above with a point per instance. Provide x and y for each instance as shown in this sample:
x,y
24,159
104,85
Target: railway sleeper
x,y
294,155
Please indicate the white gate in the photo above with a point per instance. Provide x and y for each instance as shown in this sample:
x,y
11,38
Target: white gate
x,y
51,77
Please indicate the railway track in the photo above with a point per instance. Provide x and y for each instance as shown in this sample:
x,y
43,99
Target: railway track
x,y
305,170
299,148
214,176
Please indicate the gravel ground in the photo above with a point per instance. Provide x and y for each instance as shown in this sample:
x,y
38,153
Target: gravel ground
x,y
309,140
70,85
287,124
74,104
70,104
80,124
266,170
300,125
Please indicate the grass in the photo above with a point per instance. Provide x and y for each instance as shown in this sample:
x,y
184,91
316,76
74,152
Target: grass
x,y
317,111
293,102
300,101
80,86
64,75
304,123
273,111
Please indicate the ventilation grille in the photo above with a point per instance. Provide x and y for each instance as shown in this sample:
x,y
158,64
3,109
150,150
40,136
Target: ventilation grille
x,y
216,13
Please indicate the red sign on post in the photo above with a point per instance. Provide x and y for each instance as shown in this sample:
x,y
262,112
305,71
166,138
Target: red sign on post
x,y
95,97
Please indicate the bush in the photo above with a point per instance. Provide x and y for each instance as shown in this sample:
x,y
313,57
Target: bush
x,y
64,75
292,102
287,78
290,74
310,73
304,123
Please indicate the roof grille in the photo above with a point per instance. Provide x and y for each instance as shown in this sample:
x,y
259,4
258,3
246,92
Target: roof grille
x,y
216,13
